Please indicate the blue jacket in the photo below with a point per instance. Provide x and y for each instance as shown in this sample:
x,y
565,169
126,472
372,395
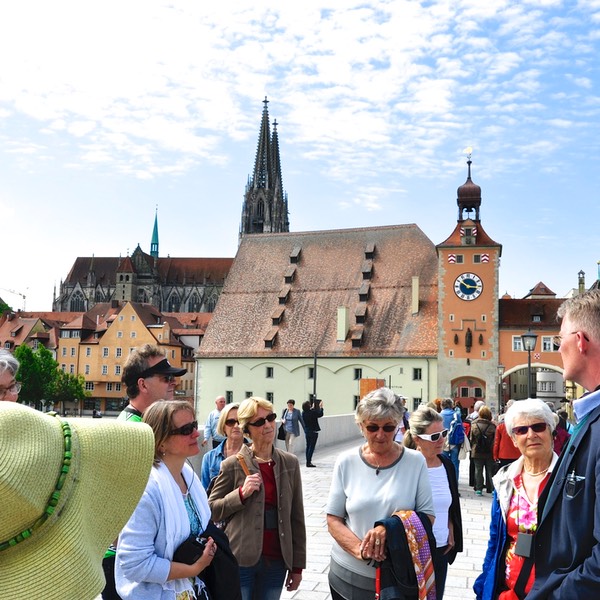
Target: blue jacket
x,y
567,542
296,418
211,463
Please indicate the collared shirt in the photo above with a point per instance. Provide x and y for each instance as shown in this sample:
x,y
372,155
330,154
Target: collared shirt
x,y
210,428
584,405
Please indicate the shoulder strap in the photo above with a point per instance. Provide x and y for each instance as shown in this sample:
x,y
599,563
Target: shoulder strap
x,y
523,578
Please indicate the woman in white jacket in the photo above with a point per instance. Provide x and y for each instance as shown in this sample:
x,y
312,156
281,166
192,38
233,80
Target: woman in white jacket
x,y
173,506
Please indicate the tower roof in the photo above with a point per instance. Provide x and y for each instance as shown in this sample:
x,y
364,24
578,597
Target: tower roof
x,y
262,163
468,196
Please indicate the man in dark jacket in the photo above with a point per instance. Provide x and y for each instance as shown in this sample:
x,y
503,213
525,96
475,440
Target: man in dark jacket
x,y
311,413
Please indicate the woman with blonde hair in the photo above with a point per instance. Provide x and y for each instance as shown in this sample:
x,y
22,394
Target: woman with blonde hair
x,y
427,435
259,493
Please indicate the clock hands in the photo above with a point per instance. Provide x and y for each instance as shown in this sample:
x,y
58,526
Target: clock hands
x,y
473,287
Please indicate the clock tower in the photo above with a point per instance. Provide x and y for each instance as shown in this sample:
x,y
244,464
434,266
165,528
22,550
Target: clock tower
x,y
468,268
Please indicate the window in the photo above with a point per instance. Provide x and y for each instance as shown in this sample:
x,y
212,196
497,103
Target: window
x,y
451,318
548,345
228,371
87,369
249,394
63,367
270,397
357,374
133,334
417,374
464,392
117,387
356,400
88,351
118,352
269,374
133,317
483,318
73,351
229,396
311,372
104,352
460,259
104,369
117,369
517,343
450,353
76,333
478,392
119,334
536,319
109,386
121,316
72,369
64,333
89,386
546,386
64,351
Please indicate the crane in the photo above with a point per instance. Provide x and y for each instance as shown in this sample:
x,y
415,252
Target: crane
x,y
17,294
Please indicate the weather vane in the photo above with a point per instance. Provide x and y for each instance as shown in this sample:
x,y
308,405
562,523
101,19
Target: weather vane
x,y
468,151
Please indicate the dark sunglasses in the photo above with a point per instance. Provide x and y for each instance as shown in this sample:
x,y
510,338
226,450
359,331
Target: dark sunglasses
x,y
163,378
433,437
386,428
536,428
231,422
186,429
260,422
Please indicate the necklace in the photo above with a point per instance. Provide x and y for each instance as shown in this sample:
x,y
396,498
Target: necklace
x,y
378,464
538,473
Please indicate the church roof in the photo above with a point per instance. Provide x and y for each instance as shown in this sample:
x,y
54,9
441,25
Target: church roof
x,y
284,291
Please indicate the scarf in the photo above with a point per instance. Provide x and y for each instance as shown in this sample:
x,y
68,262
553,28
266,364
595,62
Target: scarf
x,y
421,553
177,524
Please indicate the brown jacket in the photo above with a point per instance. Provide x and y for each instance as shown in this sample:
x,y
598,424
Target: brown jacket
x,y
245,529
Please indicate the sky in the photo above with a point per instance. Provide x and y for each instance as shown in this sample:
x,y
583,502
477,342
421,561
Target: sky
x,y
114,111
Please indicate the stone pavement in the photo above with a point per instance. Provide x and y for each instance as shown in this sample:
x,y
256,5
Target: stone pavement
x,y
461,574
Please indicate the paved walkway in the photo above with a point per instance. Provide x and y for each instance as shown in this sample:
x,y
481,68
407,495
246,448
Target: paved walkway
x,y
461,574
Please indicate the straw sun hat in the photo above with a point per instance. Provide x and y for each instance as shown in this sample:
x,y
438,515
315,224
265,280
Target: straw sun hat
x,y
66,490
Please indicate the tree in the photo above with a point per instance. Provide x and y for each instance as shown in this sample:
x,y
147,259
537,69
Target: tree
x,y
30,376
68,388
49,372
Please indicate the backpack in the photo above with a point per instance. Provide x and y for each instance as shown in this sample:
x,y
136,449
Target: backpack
x,y
485,443
457,432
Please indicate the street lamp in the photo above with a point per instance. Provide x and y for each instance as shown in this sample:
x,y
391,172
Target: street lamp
x,y
500,375
529,340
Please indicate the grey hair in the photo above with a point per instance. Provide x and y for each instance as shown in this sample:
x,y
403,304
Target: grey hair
x,y
378,405
532,409
419,422
479,404
584,312
8,362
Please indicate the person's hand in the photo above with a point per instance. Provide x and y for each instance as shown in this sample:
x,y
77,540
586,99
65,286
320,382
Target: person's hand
x,y
373,544
210,549
251,484
204,442
292,581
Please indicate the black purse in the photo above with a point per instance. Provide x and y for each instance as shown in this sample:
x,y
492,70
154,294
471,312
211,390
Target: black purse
x,y
222,576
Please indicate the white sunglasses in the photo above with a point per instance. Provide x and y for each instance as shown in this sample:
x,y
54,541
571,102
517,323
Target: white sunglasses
x,y
433,437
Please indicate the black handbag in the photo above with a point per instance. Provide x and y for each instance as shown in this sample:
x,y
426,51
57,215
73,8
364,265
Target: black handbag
x,y
281,432
222,576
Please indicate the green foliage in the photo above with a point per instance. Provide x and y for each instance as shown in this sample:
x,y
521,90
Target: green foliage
x,y
43,382
4,308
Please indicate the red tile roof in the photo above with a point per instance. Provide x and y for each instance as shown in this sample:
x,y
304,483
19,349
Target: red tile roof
x,y
328,275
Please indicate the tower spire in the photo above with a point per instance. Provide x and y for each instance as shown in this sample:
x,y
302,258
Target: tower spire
x,y
154,242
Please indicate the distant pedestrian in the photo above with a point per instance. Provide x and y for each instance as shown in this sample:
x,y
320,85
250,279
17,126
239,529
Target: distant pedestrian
x,y
311,413
448,417
292,419
482,449
561,433
212,422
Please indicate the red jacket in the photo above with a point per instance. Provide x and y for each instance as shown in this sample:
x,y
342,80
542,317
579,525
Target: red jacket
x,y
503,444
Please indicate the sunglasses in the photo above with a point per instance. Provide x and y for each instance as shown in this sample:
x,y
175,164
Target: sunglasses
x,y
433,437
386,428
186,429
536,428
165,378
260,422
231,422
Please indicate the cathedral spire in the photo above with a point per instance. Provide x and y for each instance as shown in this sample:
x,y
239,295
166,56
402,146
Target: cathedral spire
x,y
265,207
154,242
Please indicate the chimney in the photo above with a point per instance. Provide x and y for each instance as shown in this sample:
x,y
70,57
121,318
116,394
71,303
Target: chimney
x,y
342,323
415,294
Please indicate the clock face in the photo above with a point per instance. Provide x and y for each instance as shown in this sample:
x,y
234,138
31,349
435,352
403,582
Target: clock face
x,y
468,286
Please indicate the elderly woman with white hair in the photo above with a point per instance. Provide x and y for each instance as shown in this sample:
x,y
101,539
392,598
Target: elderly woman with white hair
x,y
9,387
369,484
506,573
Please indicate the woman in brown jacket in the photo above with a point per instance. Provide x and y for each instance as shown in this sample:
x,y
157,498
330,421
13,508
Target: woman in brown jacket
x,y
259,494
481,437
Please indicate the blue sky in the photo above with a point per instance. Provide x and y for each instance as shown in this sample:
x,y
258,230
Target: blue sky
x,y
111,109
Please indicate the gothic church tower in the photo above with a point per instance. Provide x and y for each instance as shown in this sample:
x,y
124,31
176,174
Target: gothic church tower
x,y
468,271
265,207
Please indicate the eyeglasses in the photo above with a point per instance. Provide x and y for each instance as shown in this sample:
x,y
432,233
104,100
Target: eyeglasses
x,y
536,428
15,388
231,422
387,428
260,422
433,437
557,339
186,429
